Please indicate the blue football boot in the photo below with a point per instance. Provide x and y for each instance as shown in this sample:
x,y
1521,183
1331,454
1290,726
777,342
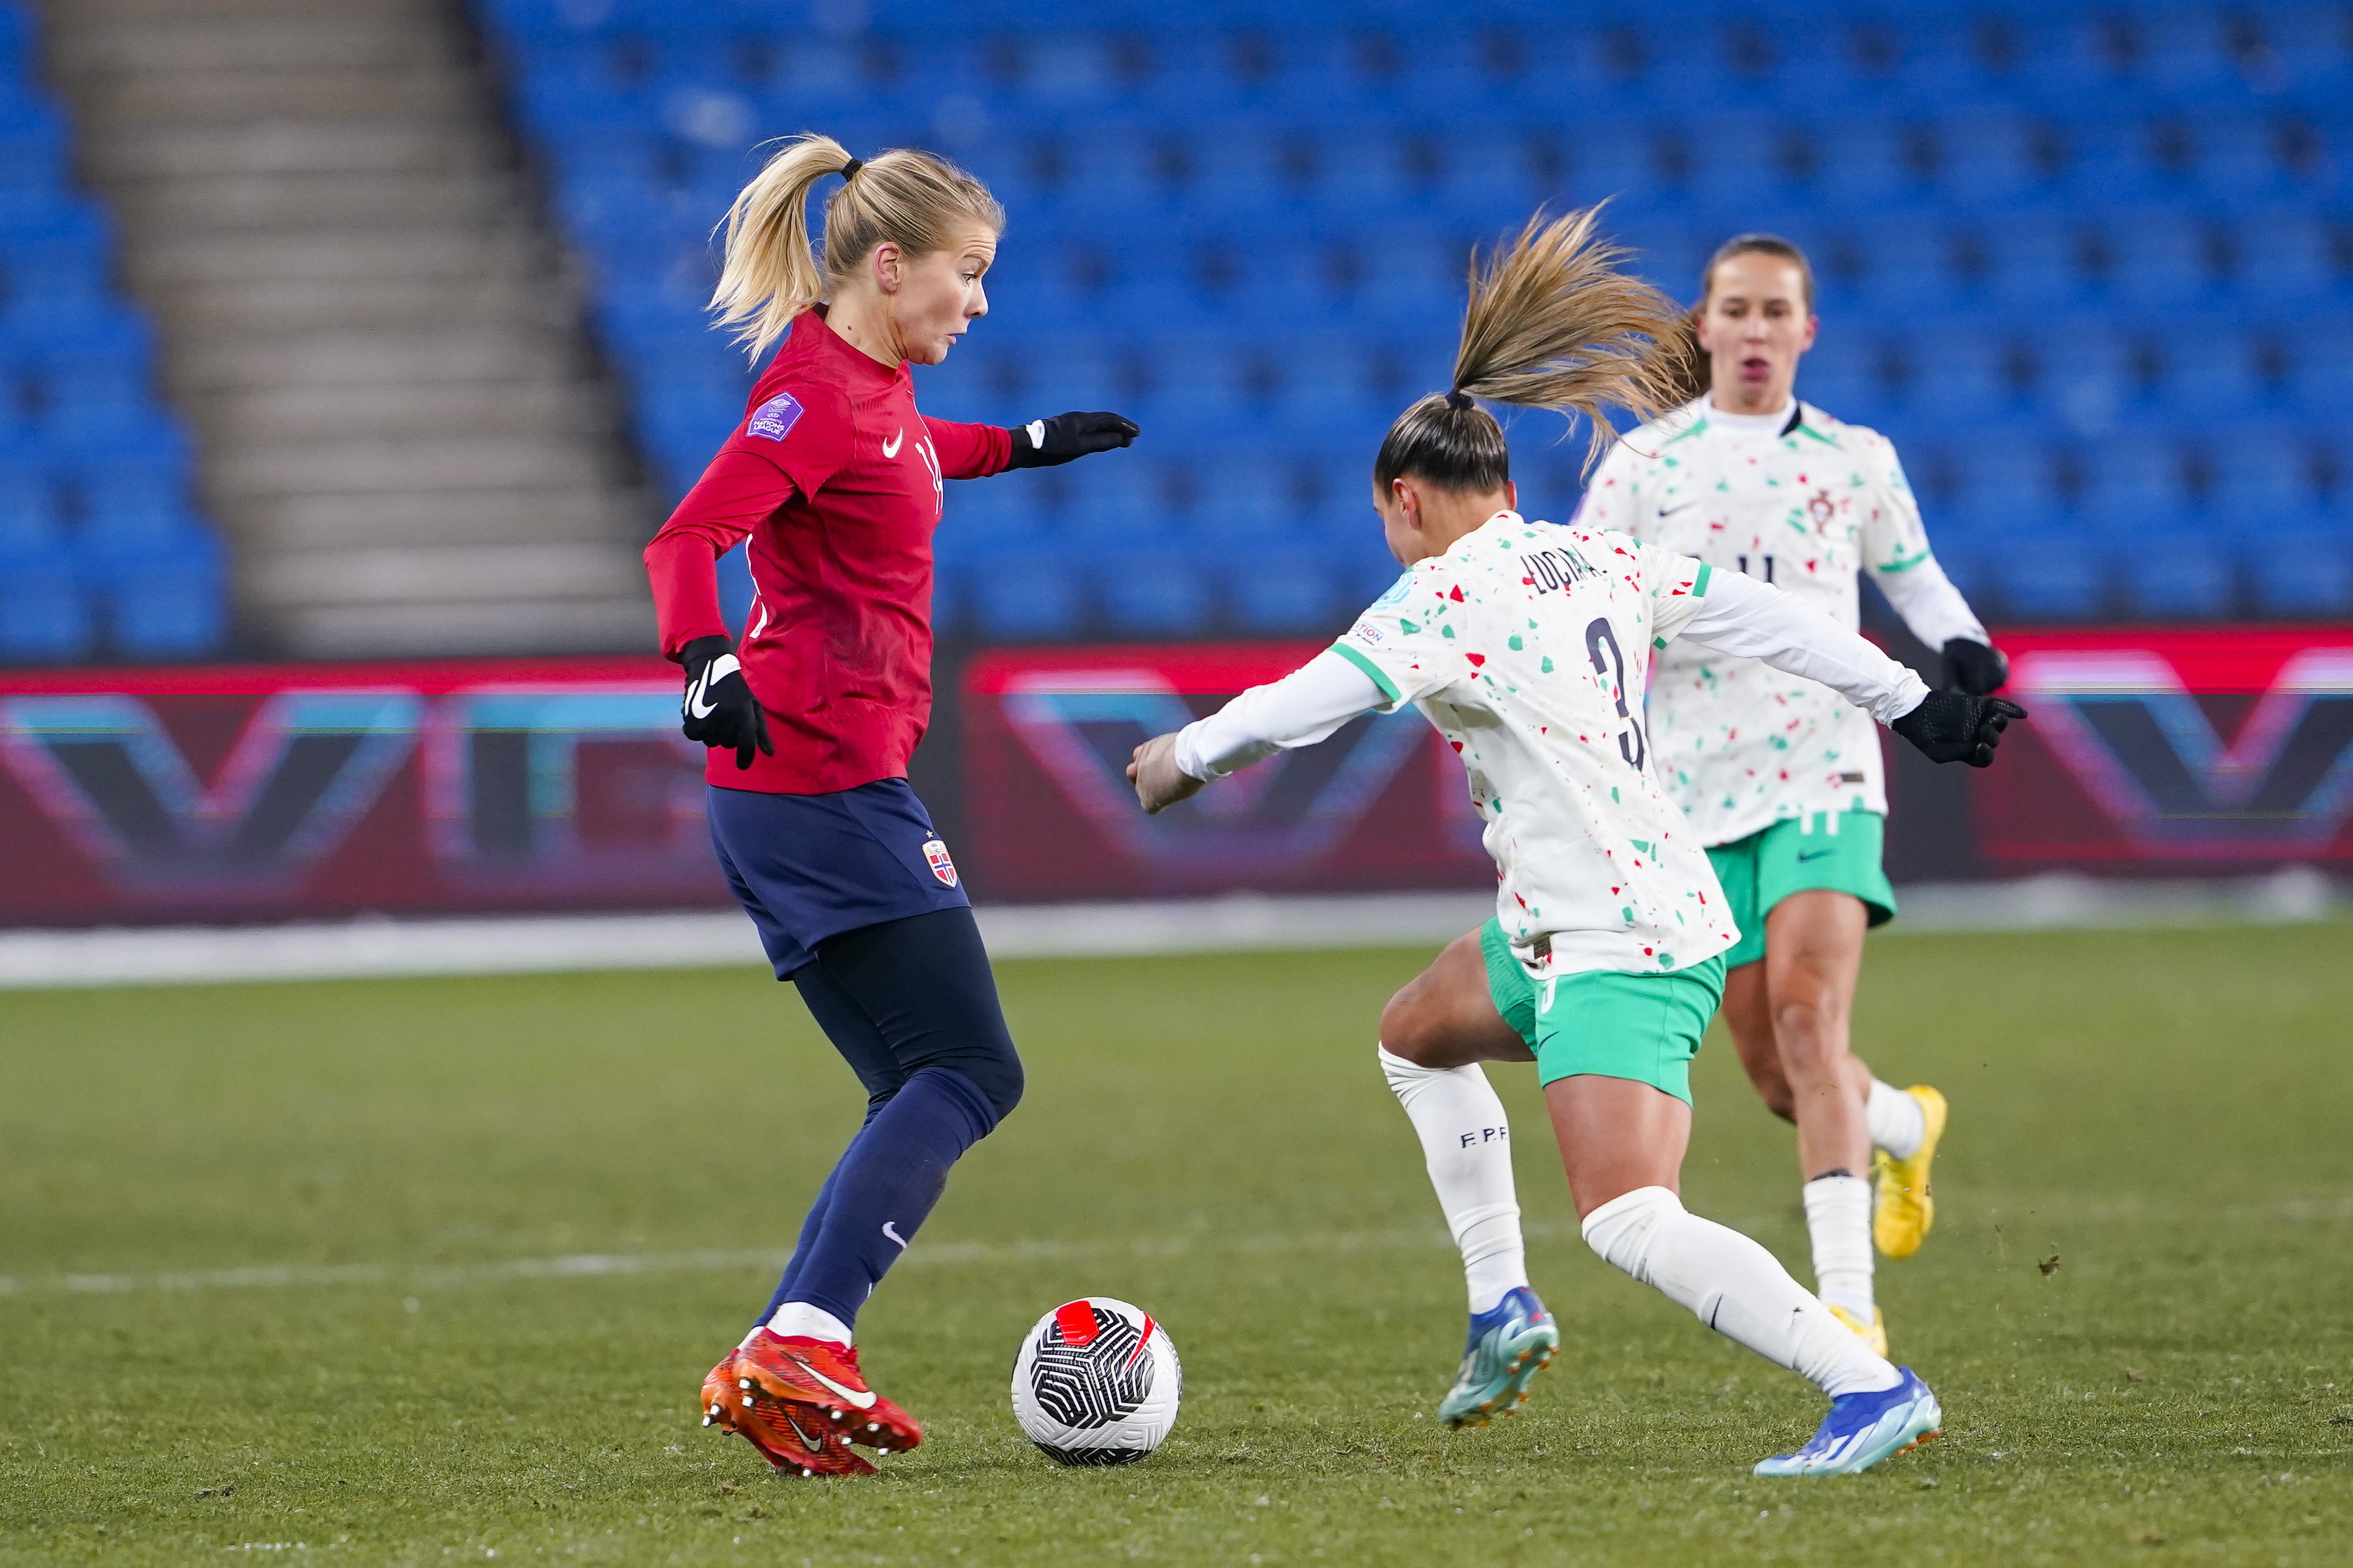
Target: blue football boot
x,y
1862,1429
1510,1343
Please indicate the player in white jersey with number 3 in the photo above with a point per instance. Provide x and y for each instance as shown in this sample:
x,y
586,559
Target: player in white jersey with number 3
x,y
1780,778
1527,646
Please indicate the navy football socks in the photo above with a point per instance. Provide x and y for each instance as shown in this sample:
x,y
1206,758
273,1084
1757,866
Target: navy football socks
x,y
884,1185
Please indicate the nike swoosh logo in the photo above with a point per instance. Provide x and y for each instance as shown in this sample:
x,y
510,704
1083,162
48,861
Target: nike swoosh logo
x,y
894,1235
1670,510
862,1401
1815,856
813,1442
719,669
890,447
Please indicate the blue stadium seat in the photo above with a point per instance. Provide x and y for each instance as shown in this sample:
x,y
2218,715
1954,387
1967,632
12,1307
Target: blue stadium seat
x,y
44,616
2176,574
2235,159
1013,596
2212,372
29,511
2321,376
2006,485
2290,254
1840,374
2122,226
2303,573
1992,157
1865,162
2053,577
2135,476
2261,479
1958,376
1160,593
1244,496
2186,51
1296,590
164,594
2160,258
1115,498
2087,375
2307,49
2037,260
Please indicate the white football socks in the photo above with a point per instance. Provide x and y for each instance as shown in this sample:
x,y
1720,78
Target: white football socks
x,y
1837,1218
1897,1122
799,1320
1466,1141
1735,1286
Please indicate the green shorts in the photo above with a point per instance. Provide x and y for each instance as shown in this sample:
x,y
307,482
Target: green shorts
x,y
1646,1027
1839,854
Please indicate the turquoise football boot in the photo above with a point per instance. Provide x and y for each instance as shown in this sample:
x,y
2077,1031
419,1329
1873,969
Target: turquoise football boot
x,y
1862,1429
1510,1343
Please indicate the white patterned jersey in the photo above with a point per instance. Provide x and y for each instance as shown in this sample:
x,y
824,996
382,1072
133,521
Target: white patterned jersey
x,y
1739,744
1527,644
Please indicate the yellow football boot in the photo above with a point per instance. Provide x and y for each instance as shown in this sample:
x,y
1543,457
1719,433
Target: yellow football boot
x,y
1873,1333
1906,1210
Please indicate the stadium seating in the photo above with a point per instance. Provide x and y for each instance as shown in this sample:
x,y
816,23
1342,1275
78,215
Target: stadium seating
x,y
2091,264
101,553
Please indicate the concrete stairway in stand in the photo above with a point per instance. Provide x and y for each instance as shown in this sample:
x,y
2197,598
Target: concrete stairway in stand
x,y
402,428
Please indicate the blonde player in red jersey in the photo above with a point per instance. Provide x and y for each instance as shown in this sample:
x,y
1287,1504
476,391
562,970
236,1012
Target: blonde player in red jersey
x,y
836,480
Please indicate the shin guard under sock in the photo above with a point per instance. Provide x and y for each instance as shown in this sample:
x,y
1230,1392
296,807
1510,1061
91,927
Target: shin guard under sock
x,y
887,1181
1466,1142
1736,1288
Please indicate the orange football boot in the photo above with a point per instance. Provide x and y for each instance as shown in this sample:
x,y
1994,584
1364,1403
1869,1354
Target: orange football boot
x,y
796,1441
821,1376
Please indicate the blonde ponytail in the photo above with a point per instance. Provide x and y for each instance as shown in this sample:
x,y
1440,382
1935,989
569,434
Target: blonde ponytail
x,y
1552,324
772,274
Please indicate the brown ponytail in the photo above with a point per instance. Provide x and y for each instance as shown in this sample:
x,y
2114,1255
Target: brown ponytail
x,y
1552,324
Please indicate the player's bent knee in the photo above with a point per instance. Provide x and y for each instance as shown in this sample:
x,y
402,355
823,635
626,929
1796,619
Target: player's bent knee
x,y
1621,1230
1405,1030
1000,1074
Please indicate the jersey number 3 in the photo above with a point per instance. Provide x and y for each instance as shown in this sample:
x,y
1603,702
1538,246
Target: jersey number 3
x,y
1609,663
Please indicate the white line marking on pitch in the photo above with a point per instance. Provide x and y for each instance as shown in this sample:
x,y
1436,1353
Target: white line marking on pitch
x,y
2305,1210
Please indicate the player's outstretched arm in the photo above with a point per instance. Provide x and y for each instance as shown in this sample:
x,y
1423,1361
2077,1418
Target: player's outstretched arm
x,y
1937,615
1741,616
1046,443
1302,708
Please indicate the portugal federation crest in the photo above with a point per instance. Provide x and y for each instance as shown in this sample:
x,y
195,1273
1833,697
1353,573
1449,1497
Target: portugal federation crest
x,y
935,851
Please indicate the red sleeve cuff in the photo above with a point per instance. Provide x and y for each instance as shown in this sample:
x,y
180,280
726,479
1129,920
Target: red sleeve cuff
x,y
686,590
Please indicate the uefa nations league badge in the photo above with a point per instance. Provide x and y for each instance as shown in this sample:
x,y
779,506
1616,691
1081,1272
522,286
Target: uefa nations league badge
x,y
937,852
773,420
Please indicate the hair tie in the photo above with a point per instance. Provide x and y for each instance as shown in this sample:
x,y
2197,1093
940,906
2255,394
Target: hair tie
x,y
850,170
1458,399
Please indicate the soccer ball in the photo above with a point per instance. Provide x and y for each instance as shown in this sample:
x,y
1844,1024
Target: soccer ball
x,y
1097,1383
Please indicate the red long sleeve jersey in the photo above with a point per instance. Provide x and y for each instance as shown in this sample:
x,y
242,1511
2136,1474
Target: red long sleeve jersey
x,y
836,480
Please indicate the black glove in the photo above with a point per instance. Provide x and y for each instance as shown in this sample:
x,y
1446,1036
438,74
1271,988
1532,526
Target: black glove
x,y
1973,669
719,709
1950,727
1042,443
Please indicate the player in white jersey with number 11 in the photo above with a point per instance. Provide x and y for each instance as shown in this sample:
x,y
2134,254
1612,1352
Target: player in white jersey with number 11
x,y
1527,644
1782,779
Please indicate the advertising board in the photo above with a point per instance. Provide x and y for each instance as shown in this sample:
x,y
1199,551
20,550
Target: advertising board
x,y
270,793
282,791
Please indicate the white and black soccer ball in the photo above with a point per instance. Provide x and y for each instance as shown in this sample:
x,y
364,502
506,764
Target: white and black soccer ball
x,y
1097,1383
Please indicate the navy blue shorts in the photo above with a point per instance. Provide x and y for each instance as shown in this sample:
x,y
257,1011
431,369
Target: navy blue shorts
x,y
809,867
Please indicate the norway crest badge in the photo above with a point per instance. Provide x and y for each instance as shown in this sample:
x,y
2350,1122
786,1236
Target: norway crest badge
x,y
937,852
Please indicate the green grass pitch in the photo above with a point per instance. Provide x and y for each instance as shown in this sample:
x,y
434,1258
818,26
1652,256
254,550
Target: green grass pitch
x,y
2138,1305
